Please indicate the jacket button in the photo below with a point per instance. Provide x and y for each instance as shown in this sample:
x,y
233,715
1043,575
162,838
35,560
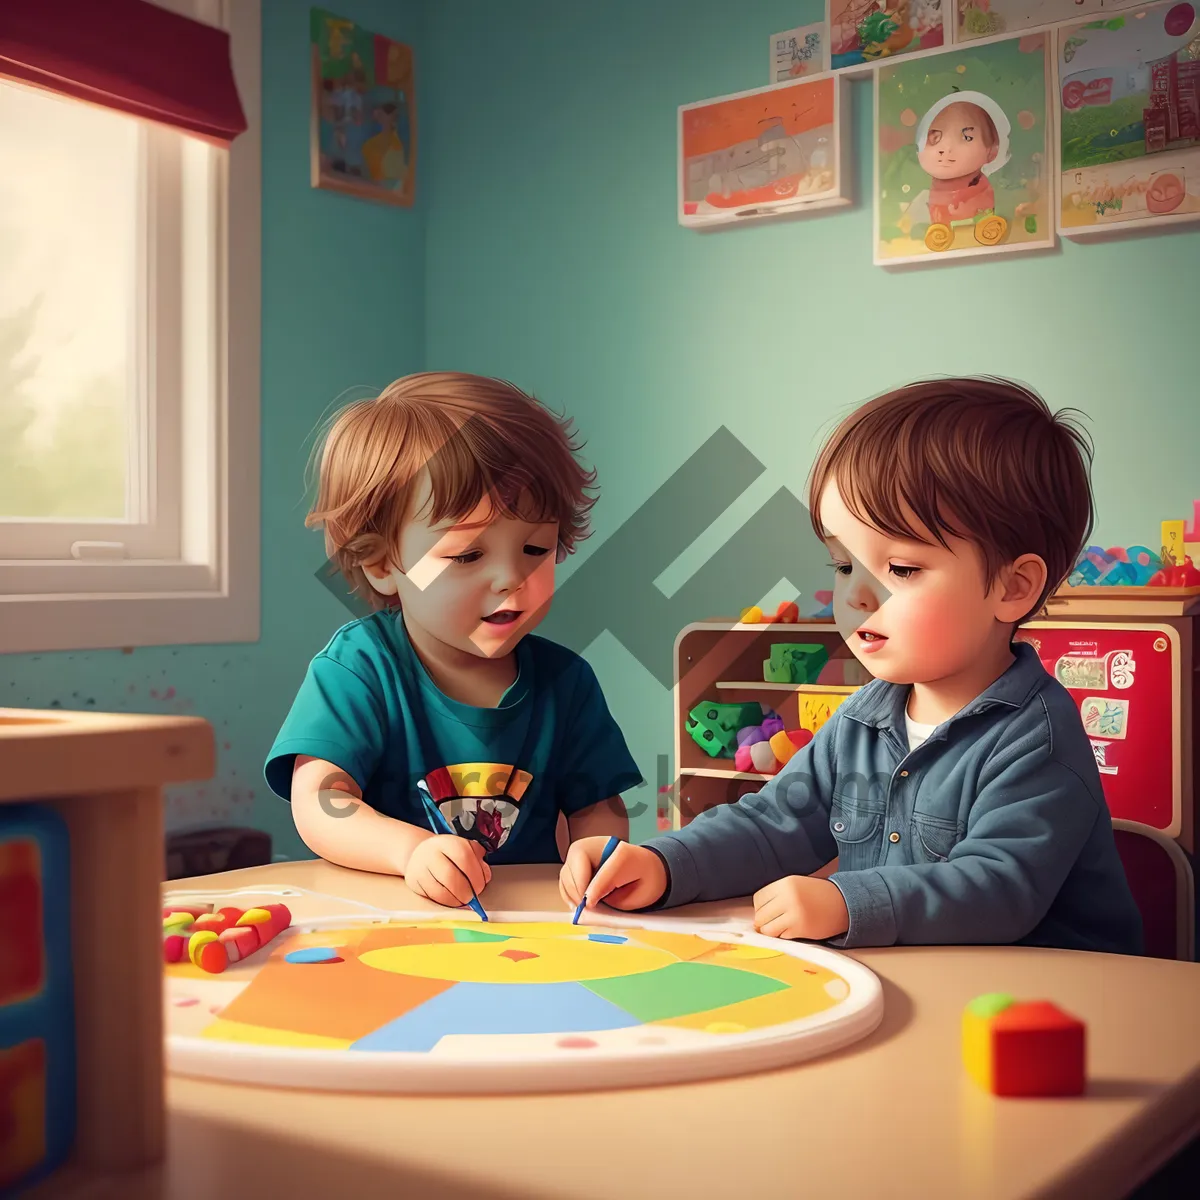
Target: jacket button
x,y
838,827
893,837
903,774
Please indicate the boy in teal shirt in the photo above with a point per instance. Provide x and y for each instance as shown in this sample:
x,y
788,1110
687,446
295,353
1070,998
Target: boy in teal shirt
x,y
447,502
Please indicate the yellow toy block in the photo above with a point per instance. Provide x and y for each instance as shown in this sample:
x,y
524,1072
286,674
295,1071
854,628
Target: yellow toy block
x,y
815,710
1172,541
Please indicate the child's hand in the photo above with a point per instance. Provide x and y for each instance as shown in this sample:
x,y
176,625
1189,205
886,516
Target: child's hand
x,y
633,877
800,907
445,868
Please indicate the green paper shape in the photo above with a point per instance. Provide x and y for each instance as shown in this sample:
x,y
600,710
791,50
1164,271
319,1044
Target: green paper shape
x,y
681,989
479,935
990,1004
1031,224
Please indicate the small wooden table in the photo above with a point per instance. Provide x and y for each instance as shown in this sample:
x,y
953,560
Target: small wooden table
x,y
893,1115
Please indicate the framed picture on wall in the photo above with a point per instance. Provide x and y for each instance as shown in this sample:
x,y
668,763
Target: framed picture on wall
x,y
1128,94
862,32
769,152
989,18
963,162
799,52
363,123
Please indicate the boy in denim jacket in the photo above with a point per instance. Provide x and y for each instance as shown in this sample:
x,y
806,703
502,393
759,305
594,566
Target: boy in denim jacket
x,y
958,791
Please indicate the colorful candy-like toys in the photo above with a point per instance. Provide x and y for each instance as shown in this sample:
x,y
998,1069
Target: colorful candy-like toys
x,y
213,940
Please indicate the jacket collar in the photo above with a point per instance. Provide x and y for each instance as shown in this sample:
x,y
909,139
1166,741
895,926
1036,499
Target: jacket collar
x,y
882,705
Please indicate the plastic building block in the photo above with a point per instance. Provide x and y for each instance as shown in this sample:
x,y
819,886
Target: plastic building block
x,y
1023,1048
1172,541
230,935
788,613
713,727
1191,531
794,662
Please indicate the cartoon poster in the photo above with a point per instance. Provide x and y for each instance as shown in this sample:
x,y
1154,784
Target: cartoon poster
x,y
363,122
774,149
962,158
987,18
799,52
1128,90
864,31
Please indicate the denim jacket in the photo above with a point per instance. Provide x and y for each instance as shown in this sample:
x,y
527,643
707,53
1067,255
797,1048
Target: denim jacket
x,y
993,830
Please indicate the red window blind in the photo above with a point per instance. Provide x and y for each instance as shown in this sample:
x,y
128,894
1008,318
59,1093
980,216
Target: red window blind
x,y
128,55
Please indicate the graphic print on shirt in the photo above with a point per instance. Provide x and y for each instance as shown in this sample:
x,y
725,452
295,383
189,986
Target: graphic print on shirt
x,y
481,801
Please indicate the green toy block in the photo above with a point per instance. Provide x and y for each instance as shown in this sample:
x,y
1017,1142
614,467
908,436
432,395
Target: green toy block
x,y
794,662
714,727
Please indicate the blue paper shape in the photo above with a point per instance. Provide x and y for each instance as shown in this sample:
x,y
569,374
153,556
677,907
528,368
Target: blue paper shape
x,y
614,939
311,954
498,1008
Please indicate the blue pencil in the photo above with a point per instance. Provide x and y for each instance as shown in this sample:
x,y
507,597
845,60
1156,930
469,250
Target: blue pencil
x,y
609,846
439,822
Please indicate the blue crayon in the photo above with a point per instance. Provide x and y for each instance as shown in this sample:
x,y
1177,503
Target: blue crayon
x,y
609,846
441,825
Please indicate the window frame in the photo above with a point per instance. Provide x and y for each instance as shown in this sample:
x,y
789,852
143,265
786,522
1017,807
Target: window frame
x,y
196,578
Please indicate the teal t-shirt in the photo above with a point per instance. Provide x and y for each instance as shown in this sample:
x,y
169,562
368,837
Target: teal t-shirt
x,y
500,775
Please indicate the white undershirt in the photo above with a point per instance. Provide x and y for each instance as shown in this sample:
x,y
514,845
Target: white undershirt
x,y
917,732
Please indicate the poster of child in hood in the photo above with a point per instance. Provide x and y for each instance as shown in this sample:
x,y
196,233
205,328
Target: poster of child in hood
x,y
961,161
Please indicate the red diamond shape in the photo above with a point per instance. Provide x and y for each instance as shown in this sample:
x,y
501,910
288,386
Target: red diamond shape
x,y
517,955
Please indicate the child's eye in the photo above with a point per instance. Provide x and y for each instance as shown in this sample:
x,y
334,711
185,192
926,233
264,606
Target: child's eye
x,y
841,568
469,557
537,551
903,572
968,137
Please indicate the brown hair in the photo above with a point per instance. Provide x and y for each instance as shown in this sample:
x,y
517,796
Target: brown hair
x,y
476,437
982,459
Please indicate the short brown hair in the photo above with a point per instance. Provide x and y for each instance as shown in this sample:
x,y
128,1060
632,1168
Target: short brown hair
x,y
982,459
477,437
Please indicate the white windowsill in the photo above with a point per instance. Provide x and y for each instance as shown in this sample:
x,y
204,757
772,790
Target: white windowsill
x,y
49,605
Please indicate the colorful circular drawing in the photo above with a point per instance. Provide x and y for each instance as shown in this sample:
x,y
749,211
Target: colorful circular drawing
x,y
524,1002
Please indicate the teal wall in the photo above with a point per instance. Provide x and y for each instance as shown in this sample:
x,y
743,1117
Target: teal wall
x,y
554,259
343,306
544,248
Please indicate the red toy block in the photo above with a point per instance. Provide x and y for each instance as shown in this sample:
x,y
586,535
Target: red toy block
x,y
1029,1048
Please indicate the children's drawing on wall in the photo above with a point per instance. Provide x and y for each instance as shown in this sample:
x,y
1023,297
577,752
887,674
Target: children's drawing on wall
x,y
867,30
1129,119
962,153
799,52
363,112
986,18
772,149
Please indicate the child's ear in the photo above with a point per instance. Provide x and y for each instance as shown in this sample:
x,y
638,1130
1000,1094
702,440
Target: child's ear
x,y
380,578
1021,584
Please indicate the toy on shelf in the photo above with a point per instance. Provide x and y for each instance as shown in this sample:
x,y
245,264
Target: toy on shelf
x,y
713,727
1023,1048
214,940
795,662
765,752
825,600
1115,567
788,613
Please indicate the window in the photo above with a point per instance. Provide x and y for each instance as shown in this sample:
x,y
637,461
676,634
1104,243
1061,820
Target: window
x,y
129,389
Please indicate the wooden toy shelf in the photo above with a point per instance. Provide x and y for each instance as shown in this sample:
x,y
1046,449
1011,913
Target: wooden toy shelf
x,y
104,774
723,659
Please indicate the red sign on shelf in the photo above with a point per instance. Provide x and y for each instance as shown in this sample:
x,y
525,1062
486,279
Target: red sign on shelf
x,y
1124,680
